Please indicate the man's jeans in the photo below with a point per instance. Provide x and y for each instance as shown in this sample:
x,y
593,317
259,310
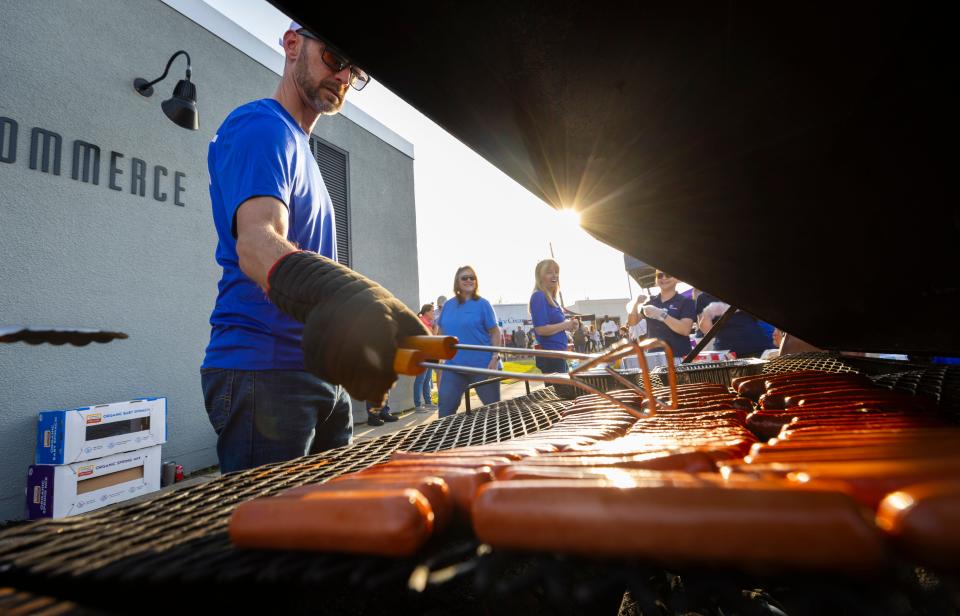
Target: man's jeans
x,y
263,416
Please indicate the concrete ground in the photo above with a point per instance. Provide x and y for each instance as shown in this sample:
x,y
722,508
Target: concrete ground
x,y
361,431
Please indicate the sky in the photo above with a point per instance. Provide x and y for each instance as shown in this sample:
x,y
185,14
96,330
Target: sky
x,y
469,212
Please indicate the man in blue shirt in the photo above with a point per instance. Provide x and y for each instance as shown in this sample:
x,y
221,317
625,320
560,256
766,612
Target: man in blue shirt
x,y
742,333
292,331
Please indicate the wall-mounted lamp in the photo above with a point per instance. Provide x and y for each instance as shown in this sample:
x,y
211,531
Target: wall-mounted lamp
x,y
182,106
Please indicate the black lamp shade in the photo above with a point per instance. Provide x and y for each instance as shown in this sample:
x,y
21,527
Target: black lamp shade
x,y
182,106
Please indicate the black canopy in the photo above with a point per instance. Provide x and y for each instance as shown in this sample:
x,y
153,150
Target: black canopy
x,y
791,159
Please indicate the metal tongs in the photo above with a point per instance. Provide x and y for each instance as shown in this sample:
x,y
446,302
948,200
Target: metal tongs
x,y
416,352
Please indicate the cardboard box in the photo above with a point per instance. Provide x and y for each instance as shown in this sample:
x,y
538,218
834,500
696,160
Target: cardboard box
x,y
70,489
89,432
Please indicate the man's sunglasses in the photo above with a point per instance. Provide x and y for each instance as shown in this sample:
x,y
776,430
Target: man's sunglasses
x,y
468,278
336,62
662,275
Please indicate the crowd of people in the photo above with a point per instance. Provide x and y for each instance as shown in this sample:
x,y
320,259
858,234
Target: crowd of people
x,y
668,315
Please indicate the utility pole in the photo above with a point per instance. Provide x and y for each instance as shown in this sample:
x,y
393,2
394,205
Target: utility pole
x,y
562,303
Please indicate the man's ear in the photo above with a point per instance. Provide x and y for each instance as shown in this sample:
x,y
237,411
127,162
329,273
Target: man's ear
x,y
291,45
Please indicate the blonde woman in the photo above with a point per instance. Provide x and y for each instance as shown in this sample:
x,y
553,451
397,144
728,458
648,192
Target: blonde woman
x,y
549,322
472,320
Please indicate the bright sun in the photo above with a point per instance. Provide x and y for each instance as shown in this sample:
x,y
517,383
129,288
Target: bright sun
x,y
571,217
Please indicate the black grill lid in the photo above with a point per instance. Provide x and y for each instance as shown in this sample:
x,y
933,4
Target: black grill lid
x,y
791,159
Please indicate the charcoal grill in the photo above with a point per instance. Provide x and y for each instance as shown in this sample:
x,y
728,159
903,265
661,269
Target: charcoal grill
x,y
766,126
177,541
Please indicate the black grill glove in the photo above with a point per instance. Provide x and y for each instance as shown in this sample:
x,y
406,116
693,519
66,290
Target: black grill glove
x,y
352,325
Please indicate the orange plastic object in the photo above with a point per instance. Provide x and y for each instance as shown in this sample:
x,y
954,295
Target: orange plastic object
x,y
432,347
407,361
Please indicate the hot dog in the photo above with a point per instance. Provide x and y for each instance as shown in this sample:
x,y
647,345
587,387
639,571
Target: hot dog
x,y
434,489
387,522
924,522
463,482
702,525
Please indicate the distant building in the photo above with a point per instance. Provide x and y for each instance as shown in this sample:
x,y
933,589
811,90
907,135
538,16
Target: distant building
x,y
616,308
512,316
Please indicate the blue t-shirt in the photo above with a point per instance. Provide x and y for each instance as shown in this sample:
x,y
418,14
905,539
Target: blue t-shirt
x,y
542,313
678,307
471,323
260,150
742,333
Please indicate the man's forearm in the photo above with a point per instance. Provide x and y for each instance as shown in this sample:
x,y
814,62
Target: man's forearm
x,y
259,249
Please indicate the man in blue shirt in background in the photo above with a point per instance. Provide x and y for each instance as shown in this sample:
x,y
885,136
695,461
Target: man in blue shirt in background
x,y
292,331
742,333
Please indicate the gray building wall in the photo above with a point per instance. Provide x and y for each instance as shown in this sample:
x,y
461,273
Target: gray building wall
x,y
78,254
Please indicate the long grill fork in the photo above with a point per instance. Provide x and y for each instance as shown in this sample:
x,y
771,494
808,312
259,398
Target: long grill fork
x,y
417,353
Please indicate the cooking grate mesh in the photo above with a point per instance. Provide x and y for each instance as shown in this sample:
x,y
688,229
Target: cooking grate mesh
x,y
825,362
942,383
178,541
180,536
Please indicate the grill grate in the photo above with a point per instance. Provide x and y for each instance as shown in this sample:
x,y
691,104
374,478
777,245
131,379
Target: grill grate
x,y
826,362
599,380
180,536
719,372
178,541
942,383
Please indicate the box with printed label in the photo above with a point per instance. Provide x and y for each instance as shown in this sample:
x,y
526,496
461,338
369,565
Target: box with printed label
x,y
71,489
89,432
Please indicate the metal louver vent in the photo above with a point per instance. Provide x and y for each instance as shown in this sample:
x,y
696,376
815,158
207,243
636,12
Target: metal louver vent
x,y
334,167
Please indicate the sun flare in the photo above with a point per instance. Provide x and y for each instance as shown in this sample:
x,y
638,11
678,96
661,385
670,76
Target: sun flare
x,y
571,217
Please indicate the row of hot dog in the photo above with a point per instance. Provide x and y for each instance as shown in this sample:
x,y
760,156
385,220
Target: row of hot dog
x,y
600,482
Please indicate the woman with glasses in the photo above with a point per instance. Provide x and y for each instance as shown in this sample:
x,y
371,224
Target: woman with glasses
x,y
472,320
669,316
549,322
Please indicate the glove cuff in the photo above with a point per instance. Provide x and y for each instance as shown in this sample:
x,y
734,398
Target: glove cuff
x,y
276,263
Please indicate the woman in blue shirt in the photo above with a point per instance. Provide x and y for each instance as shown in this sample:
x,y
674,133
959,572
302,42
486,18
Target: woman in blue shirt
x,y
549,323
471,319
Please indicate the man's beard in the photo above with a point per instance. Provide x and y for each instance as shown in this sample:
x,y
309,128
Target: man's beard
x,y
313,90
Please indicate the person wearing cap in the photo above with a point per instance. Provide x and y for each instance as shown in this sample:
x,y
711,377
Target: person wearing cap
x,y
669,316
292,331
